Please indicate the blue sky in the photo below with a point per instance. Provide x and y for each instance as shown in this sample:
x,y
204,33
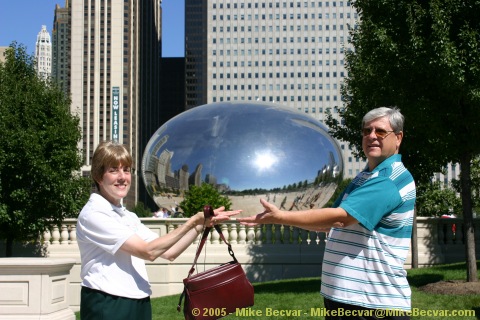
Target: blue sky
x,y
22,20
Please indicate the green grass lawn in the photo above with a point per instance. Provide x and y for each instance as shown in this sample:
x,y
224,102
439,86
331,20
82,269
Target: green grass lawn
x,y
303,294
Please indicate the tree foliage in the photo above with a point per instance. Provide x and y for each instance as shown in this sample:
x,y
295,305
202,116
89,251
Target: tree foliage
x,y
141,210
433,200
475,183
424,57
340,188
198,196
39,159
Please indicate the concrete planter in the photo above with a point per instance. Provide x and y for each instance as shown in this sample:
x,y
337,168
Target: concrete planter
x,y
35,288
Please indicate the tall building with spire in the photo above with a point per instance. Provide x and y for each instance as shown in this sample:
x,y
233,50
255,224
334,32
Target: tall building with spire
x,y
3,51
109,53
43,54
289,52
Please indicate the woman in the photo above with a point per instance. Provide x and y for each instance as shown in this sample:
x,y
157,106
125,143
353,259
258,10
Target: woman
x,y
114,244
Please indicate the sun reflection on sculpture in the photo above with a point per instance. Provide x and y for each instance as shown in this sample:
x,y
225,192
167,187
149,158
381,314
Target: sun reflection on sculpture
x,y
264,161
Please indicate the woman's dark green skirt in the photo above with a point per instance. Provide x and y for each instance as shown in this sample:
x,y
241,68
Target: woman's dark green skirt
x,y
98,305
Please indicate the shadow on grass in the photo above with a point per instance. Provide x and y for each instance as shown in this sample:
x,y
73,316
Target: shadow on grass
x,y
477,312
460,266
304,285
424,279
423,276
416,278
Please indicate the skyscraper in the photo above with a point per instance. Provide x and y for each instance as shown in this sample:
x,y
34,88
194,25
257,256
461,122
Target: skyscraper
x,y
43,54
114,75
61,46
3,53
289,52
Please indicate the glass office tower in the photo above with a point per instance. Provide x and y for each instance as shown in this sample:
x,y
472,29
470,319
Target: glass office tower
x,y
289,52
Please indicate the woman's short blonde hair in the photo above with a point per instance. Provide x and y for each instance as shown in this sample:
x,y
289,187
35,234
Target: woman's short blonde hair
x,y
109,154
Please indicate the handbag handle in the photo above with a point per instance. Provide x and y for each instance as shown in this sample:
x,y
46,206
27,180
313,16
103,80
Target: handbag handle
x,y
208,212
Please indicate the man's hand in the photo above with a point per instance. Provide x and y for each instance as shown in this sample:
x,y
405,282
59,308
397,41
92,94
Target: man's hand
x,y
269,215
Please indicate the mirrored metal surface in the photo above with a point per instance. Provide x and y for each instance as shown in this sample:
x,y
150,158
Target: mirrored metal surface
x,y
247,151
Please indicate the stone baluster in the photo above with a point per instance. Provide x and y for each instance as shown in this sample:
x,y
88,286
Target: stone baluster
x,y
46,237
322,236
250,235
225,232
64,235
242,234
286,234
313,238
258,234
55,235
73,234
214,237
233,234
295,235
278,234
268,229
304,236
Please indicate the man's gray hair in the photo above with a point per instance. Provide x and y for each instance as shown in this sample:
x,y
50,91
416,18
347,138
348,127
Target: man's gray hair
x,y
393,114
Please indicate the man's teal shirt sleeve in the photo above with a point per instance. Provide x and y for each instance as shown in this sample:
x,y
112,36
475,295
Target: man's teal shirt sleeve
x,y
372,201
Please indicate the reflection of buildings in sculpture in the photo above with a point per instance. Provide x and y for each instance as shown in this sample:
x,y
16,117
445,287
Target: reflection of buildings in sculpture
x,y
149,173
222,187
211,179
333,165
330,170
336,171
164,173
159,143
171,183
151,164
183,178
154,165
196,178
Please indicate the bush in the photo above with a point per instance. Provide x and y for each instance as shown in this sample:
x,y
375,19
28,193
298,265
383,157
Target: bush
x,y
197,197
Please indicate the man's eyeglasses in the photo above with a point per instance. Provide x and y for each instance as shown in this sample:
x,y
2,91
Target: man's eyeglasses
x,y
380,133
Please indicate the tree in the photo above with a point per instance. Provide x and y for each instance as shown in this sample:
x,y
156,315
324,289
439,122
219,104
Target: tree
x,y
39,160
342,185
423,56
197,197
141,210
475,177
433,200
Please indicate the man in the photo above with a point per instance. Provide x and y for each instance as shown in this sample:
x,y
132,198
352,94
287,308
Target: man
x,y
362,267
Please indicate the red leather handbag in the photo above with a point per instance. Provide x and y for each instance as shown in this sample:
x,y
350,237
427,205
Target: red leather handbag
x,y
217,292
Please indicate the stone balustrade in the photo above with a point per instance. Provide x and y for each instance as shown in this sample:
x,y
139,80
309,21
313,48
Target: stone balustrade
x,y
232,231
267,253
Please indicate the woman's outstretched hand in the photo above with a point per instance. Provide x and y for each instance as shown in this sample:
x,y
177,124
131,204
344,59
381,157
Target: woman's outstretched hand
x,y
219,215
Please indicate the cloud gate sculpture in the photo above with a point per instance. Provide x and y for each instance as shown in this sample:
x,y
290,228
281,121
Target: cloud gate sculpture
x,y
247,151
